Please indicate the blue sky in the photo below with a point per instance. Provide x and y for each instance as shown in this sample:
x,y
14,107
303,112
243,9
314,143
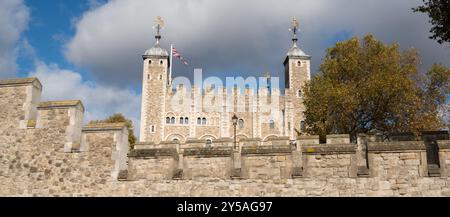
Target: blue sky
x,y
91,49
50,26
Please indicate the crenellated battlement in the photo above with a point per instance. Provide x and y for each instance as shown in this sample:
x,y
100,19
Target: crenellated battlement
x,y
46,151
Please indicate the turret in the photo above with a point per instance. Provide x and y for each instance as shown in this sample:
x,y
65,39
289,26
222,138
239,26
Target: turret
x,y
154,82
297,72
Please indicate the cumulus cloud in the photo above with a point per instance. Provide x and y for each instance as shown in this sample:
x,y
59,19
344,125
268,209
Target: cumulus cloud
x,y
99,101
237,36
14,17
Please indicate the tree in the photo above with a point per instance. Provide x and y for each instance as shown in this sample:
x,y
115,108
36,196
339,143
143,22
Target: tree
x,y
372,86
119,118
439,12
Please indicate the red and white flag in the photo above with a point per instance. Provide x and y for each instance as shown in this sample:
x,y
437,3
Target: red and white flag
x,y
176,54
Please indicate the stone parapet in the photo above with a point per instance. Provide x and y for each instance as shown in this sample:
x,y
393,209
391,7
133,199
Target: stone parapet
x,y
329,149
403,146
306,140
267,150
208,152
60,104
98,137
443,144
338,139
21,82
103,126
154,153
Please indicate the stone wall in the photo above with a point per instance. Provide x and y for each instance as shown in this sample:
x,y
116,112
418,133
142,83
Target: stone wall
x,y
45,151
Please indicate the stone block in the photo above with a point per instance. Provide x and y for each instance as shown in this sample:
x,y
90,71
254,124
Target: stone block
x,y
338,139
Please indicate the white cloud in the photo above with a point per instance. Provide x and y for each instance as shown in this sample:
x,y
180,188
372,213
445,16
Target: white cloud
x,y
14,17
236,35
99,101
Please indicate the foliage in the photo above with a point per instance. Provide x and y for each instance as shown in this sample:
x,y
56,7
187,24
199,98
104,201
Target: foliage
x,y
373,86
439,12
119,118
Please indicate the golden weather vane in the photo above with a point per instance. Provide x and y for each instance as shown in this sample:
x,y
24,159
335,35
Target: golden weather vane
x,y
159,24
159,21
295,26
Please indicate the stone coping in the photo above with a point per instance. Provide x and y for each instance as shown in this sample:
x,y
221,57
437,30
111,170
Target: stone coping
x,y
443,144
104,126
20,82
267,150
189,140
169,142
329,149
153,153
396,146
208,152
277,138
219,140
250,140
338,136
60,104
144,143
308,137
154,56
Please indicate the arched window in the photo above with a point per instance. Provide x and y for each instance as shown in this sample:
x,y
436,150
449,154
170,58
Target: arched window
x,y
167,120
271,124
150,62
299,93
203,121
302,126
241,123
152,129
148,76
299,63
199,121
208,142
176,140
172,120
160,62
186,120
181,120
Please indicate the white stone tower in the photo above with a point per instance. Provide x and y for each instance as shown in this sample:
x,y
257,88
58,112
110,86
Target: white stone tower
x,y
154,83
297,72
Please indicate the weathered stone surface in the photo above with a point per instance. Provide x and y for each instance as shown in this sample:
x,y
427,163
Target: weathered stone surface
x,y
260,150
155,152
34,162
396,146
208,152
329,149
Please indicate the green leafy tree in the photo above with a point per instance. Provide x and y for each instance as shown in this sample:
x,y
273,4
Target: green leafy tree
x,y
439,12
120,118
373,86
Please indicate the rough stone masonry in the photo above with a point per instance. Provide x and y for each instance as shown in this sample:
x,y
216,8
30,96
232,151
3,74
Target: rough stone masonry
x,y
45,151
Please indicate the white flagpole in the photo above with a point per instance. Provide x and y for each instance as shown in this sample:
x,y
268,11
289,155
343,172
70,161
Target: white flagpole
x,y
171,63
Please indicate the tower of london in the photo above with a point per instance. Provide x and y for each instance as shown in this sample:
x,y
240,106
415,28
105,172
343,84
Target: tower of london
x,y
174,112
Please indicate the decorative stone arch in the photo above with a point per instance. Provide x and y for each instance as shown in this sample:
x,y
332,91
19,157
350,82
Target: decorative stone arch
x,y
174,136
171,114
208,136
241,136
269,137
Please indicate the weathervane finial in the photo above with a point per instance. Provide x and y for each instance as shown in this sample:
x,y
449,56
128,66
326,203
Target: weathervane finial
x,y
294,29
159,25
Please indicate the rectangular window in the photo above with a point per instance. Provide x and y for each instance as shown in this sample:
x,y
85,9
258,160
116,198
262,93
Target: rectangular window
x,y
152,129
